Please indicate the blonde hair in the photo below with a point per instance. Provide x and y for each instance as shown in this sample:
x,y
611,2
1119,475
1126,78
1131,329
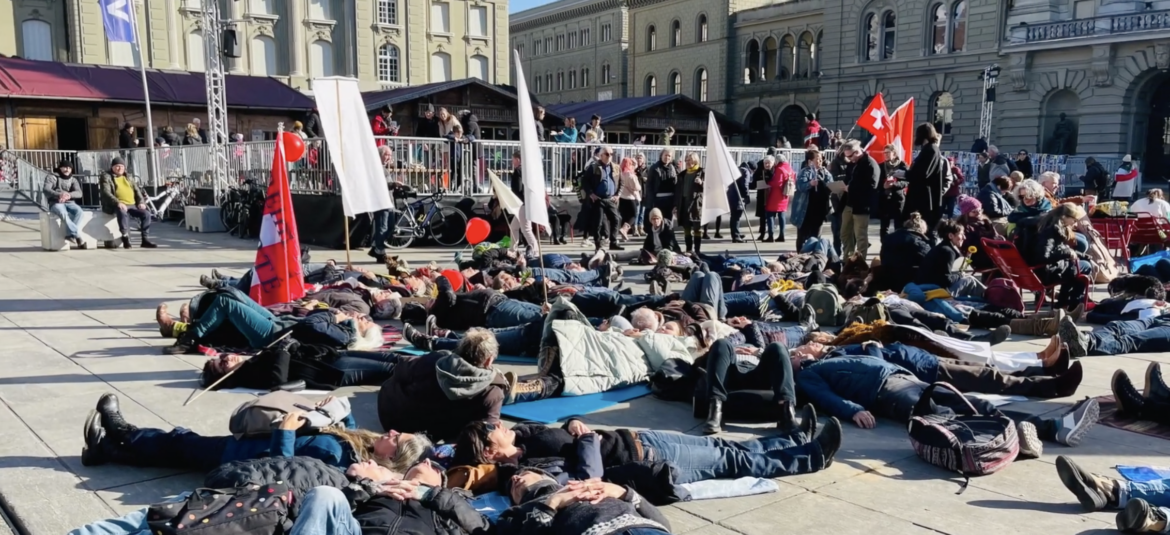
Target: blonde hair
x,y
655,212
692,157
192,130
1016,176
362,442
915,222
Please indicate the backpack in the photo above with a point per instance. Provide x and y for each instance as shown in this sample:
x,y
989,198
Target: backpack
x,y
827,303
970,444
868,312
1005,294
251,510
257,418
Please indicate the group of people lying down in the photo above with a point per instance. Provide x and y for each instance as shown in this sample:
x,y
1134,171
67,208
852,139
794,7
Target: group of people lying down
x,y
756,352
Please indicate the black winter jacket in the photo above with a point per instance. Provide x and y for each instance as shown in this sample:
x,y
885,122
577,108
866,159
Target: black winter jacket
x,y
995,205
864,176
610,516
1054,246
440,512
894,197
938,266
413,401
926,178
301,474
662,239
540,441
464,310
660,180
902,254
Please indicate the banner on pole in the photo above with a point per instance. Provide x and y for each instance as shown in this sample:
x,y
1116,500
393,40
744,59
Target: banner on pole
x,y
118,18
351,146
535,210
720,173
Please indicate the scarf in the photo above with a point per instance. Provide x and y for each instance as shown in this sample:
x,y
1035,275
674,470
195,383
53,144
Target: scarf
x,y
694,169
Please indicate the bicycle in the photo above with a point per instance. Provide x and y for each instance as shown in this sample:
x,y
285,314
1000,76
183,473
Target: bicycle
x,y
424,218
236,206
176,192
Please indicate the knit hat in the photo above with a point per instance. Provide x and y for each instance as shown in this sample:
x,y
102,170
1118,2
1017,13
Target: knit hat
x,y
1127,159
117,161
968,204
64,163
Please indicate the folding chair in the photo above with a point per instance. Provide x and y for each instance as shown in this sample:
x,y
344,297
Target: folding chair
x,y
1116,232
1011,264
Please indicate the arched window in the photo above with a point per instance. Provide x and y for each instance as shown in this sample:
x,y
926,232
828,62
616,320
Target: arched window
x,y
651,86
572,79
675,83
440,67
959,27
585,77
536,84
675,34
880,36
787,58
804,56
388,12
548,84
560,80
651,39
321,9
889,25
817,52
37,40
321,58
701,31
938,25
701,84
873,31
604,74
942,111
195,54
477,67
263,56
770,59
751,67
389,69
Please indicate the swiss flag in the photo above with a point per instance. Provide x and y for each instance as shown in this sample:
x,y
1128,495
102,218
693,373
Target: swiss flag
x,y
902,129
278,277
875,119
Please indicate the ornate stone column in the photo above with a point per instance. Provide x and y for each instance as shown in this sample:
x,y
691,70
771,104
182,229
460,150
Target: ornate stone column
x,y
296,37
174,31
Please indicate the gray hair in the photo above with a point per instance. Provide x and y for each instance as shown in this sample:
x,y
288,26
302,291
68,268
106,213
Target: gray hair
x,y
370,339
1030,189
852,145
644,319
781,157
478,347
388,308
992,149
769,160
1049,176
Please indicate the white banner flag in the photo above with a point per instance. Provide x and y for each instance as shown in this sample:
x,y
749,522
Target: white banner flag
x,y
720,173
346,128
531,164
508,200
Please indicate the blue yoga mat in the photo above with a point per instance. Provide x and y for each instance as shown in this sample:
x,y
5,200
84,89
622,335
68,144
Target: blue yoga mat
x,y
504,359
547,411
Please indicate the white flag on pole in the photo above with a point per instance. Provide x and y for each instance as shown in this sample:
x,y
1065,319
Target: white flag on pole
x,y
531,163
351,146
508,200
720,173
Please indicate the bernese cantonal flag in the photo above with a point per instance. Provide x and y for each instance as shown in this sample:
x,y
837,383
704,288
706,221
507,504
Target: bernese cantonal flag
x,y
277,277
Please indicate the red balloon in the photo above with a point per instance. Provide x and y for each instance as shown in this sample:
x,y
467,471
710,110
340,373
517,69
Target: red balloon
x,y
294,146
454,277
477,230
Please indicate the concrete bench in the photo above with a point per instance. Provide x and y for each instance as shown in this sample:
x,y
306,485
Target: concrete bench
x,y
53,232
103,227
203,219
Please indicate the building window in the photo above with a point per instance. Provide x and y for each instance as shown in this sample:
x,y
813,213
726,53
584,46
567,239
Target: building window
x,y
520,49
548,45
651,86
477,25
701,85
585,38
804,56
606,33
388,12
604,74
321,58
942,111
122,54
263,7
560,81
585,77
771,59
817,53
572,40
193,4
751,64
195,54
879,36
572,79
321,9
440,67
787,58
675,83
477,67
959,27
536,84
263,56
651,39
440,18
548,82
938,24
702,29
388,64
560,43
675,34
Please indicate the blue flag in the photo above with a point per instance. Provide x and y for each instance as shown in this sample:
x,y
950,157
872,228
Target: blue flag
x,y
118,18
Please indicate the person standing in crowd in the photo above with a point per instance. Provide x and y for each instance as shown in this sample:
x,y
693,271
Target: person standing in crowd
x,y
383,124
950,198
640,216
601,176
192,137
126,137
568,133
447,122
1098,181
837,168
737,198
983,170
299,130
863,175
1154,204
892,198
62,191
538,119
760,180
979,145
200,130
595,127
927,179
122,197
999,159
461,163
812,131
1024,163
811,204
312,123
428,126
470,124
173,139
520,221
629,195
779,192
1125,179
690,203
661,179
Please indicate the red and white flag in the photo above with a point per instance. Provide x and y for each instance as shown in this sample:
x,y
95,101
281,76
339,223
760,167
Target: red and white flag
x,y
902,130
875,119
277,277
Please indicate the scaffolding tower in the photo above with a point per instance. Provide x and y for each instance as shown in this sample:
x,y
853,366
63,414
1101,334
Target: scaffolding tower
x,y
989,77
217,129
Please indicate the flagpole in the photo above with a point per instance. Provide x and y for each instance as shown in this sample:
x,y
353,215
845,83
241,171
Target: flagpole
x,y
280,154
151,164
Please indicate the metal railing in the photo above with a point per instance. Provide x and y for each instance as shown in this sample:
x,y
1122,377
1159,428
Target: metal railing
x,y
1107,25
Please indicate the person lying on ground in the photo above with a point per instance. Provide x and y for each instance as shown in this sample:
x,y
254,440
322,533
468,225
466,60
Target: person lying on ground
x,y
903,311
593,301
438,393
860,387
591,507
326,274
791,452
750,373
478,308
1144,506
230,318
320,367
1151,404
969,352
109,438
785,303
1149,335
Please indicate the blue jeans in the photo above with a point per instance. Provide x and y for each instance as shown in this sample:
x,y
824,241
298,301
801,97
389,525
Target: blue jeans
x,y
1137,336
124,216
702,458
1082,245
70,214
592,277
177,448
514,341
791,336
706,288
365,367
1157,493
325,511
512,313
771,218
132,523
255,322
745,304
551,261
380,231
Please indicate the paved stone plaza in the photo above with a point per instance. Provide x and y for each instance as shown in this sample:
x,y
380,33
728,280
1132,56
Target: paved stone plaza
x,y
80,323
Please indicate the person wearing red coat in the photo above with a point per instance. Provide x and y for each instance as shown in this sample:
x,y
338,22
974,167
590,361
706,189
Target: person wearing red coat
x,y
384,124
812,131
777,203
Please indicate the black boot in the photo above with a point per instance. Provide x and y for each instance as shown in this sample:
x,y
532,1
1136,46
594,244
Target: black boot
x,y
1156,389
786,421
415,338
714,423
1129,401
111,416
830,440
687,240
125,242
808,420
94,452
146,243
699,244
980,319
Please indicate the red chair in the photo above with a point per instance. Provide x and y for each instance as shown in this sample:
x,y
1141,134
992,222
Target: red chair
x,y
1116,232
1011,264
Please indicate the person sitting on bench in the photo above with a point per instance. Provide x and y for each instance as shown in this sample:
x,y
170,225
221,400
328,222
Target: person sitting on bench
x,y
122,197
62,191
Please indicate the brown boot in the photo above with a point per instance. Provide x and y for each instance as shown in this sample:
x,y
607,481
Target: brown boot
x,y
1141,517
1077,314
166,323
185,313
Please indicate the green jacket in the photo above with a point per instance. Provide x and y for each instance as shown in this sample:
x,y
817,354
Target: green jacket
x,y
106,192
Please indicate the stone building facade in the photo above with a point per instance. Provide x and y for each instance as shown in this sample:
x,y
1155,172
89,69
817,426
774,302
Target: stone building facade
x,y
383,43
573,50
